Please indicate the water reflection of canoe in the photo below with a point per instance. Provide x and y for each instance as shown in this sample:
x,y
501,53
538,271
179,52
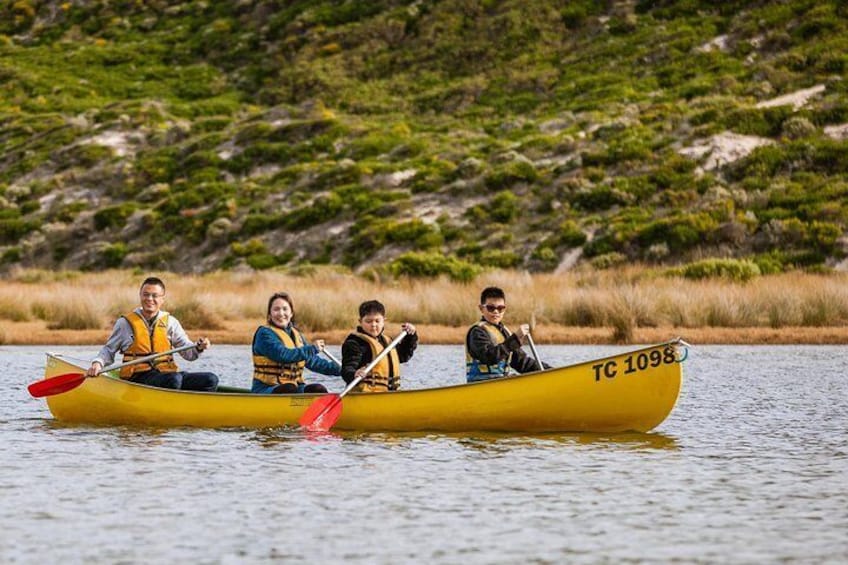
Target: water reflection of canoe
x,y
632,391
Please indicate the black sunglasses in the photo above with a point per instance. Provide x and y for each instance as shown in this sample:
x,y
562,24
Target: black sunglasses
x,y
492,308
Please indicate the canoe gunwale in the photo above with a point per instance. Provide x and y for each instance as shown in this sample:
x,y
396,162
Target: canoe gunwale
x,y
678,341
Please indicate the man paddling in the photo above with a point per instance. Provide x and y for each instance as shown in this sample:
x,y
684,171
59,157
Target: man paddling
x,y
146,330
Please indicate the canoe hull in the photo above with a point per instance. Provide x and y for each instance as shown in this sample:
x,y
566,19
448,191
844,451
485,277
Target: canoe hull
x,y
633,391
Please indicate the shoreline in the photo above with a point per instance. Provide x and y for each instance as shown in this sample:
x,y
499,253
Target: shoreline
x,y
241,333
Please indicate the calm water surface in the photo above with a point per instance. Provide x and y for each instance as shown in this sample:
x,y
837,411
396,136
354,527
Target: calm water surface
x,y
751,467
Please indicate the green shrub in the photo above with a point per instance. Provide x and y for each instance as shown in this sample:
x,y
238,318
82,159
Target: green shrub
x,y
113,255
198,81
679,233
11,255
323,209
156,166
766,122
252,247
87,155
824,236
732,269
769,264
546,256
504,207
405,232
598,198
608,260
12,230
570,234
499,258
262,261
113,216
417,264
260,223
510,174
797,127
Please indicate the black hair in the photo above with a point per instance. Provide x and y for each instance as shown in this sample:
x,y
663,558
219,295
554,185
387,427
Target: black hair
x,y
152,280
491,292
371,307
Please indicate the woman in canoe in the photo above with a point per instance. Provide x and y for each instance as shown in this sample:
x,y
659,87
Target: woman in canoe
x,y
280,353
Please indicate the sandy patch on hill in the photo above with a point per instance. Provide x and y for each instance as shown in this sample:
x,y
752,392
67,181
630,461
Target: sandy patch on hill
x,y
796,99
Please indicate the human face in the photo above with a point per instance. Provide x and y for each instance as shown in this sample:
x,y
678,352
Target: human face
x,y
493,310
281,313
373,324
152,296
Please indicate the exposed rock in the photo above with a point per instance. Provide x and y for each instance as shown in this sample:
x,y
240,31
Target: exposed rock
x,y
395,179
120,142
839,133
717,43
796,99
723,148
511,156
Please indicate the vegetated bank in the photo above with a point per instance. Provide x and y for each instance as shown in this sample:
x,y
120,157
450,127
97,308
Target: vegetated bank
x,y
422,138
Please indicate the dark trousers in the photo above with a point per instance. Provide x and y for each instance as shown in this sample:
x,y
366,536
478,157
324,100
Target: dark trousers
x,y
183,380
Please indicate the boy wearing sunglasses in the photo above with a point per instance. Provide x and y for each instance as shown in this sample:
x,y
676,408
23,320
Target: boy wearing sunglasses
x,y
491,349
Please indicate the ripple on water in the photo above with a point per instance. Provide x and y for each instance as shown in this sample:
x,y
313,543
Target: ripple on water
x,y
750,467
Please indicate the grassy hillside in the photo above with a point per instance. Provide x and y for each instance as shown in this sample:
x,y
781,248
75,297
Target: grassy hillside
x,y
423,137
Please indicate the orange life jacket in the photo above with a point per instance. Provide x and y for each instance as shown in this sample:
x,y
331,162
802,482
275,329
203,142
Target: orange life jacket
x,y
147,340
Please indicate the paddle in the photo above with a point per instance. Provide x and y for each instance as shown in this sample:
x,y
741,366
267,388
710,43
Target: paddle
x,y
68,381
535,353
331,358
325,411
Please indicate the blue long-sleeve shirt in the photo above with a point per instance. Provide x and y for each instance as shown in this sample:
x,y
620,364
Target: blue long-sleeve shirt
x,y
267,344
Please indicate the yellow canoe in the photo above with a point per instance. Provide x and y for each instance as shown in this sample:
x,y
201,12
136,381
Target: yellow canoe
x,y
633,391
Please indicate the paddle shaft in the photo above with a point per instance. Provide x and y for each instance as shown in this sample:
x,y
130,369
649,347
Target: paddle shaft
x,y
331,358
373,363
146,358
535,353
69,381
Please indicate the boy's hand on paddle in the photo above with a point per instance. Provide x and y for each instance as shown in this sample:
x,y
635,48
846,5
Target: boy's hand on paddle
x,y
523,331
202,343
319,343
408,328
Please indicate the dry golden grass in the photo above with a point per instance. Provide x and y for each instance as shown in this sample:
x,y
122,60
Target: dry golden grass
x,y
630,305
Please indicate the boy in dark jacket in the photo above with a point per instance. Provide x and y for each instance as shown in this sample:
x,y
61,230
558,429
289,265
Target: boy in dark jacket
x,y
491,349
367,342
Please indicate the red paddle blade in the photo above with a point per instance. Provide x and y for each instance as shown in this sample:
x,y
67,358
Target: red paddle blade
x,y
56,385
322,414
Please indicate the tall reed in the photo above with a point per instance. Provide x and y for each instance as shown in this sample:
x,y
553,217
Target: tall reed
x,y
328,299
